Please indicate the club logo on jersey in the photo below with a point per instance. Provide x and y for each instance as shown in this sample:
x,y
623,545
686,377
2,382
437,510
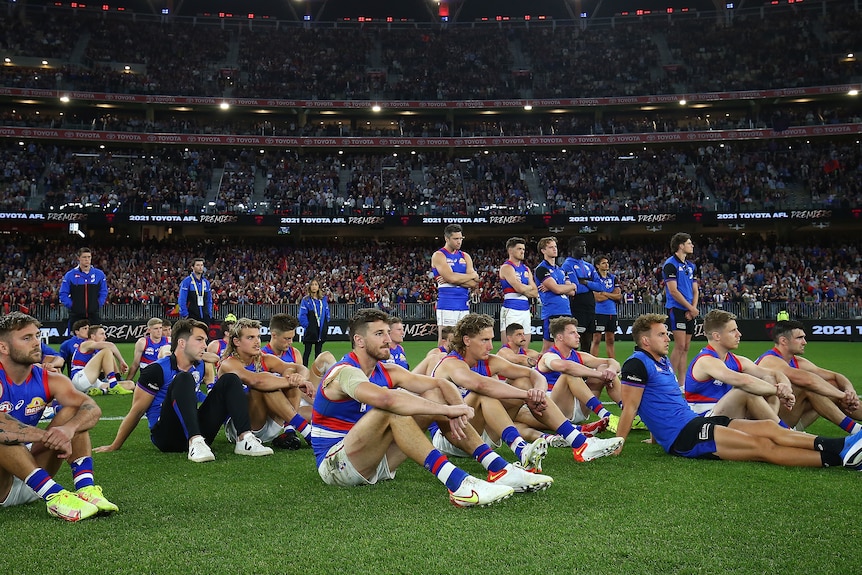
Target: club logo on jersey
x,y
36,405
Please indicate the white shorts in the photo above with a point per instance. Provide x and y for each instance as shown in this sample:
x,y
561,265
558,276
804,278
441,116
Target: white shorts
x,y
20,494
442,445
336,469
450,316
267,433
82,384
579,414
702,409
510,316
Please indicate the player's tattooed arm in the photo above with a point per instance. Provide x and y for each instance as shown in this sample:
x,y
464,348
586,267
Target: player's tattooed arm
x,y
13,432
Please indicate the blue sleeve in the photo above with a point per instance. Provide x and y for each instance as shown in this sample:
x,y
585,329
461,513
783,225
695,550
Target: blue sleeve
x,y
209,301
65,288
303,313
183,298
568,265
48,350
103,289
326,308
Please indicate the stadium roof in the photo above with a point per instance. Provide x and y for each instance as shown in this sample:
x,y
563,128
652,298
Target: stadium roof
x,y
416,10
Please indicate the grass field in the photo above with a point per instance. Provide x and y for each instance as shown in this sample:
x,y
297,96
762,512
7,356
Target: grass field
x,y
641,513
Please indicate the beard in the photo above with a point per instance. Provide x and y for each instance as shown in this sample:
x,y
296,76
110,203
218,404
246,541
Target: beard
x,y
22,357
380,354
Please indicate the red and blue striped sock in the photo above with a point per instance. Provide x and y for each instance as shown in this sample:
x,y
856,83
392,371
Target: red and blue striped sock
x,y
597,407
112,379
574,437
514,440
489,459
40,482
448,474
850,426
300,424
82,472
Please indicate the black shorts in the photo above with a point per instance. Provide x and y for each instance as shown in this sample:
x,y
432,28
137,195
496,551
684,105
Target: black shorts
x,y
606,323
586,321
676,321
697,438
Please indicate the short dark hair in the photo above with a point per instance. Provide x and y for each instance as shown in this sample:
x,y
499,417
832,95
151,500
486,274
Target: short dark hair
x,y
282,322
512,242
94,327
452,229
784,328
512,328
79,324
183,329
198,259
598,259
678,239
84,250
359,322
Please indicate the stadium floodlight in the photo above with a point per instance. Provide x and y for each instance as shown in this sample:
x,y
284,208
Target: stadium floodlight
x,y
853,92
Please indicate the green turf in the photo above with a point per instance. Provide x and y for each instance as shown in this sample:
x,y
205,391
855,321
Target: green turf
x,y
641,513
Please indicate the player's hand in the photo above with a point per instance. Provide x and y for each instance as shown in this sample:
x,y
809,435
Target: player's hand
x,y
124,367
48,366
58,439
105,449
537,400
619,449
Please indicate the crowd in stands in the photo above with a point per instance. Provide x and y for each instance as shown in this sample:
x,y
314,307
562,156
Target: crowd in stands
x,y
387,273
732,176
779,47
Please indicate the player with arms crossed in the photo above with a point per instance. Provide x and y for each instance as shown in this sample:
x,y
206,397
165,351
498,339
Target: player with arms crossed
x,y
518,287
651,389
606,308
357,445
554,288
455,276
25,390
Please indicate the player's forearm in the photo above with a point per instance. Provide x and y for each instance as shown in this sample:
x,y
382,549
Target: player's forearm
x,y
13,432
86,418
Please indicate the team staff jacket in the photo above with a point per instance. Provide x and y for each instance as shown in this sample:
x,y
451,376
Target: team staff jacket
x,y
710,390
25,402
191,287
332,420
84,293
156,378
663,408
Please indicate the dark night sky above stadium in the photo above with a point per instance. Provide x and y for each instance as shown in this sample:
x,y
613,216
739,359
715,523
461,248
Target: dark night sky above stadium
x,y
418,10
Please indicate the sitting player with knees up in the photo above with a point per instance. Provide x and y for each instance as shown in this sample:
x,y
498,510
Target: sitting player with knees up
x,y
25,389
94,365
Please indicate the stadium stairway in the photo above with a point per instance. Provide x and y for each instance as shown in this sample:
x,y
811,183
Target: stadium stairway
x,y
537,195
76,57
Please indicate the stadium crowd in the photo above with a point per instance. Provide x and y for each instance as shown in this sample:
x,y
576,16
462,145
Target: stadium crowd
x,y
745,269
807,46
711,177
